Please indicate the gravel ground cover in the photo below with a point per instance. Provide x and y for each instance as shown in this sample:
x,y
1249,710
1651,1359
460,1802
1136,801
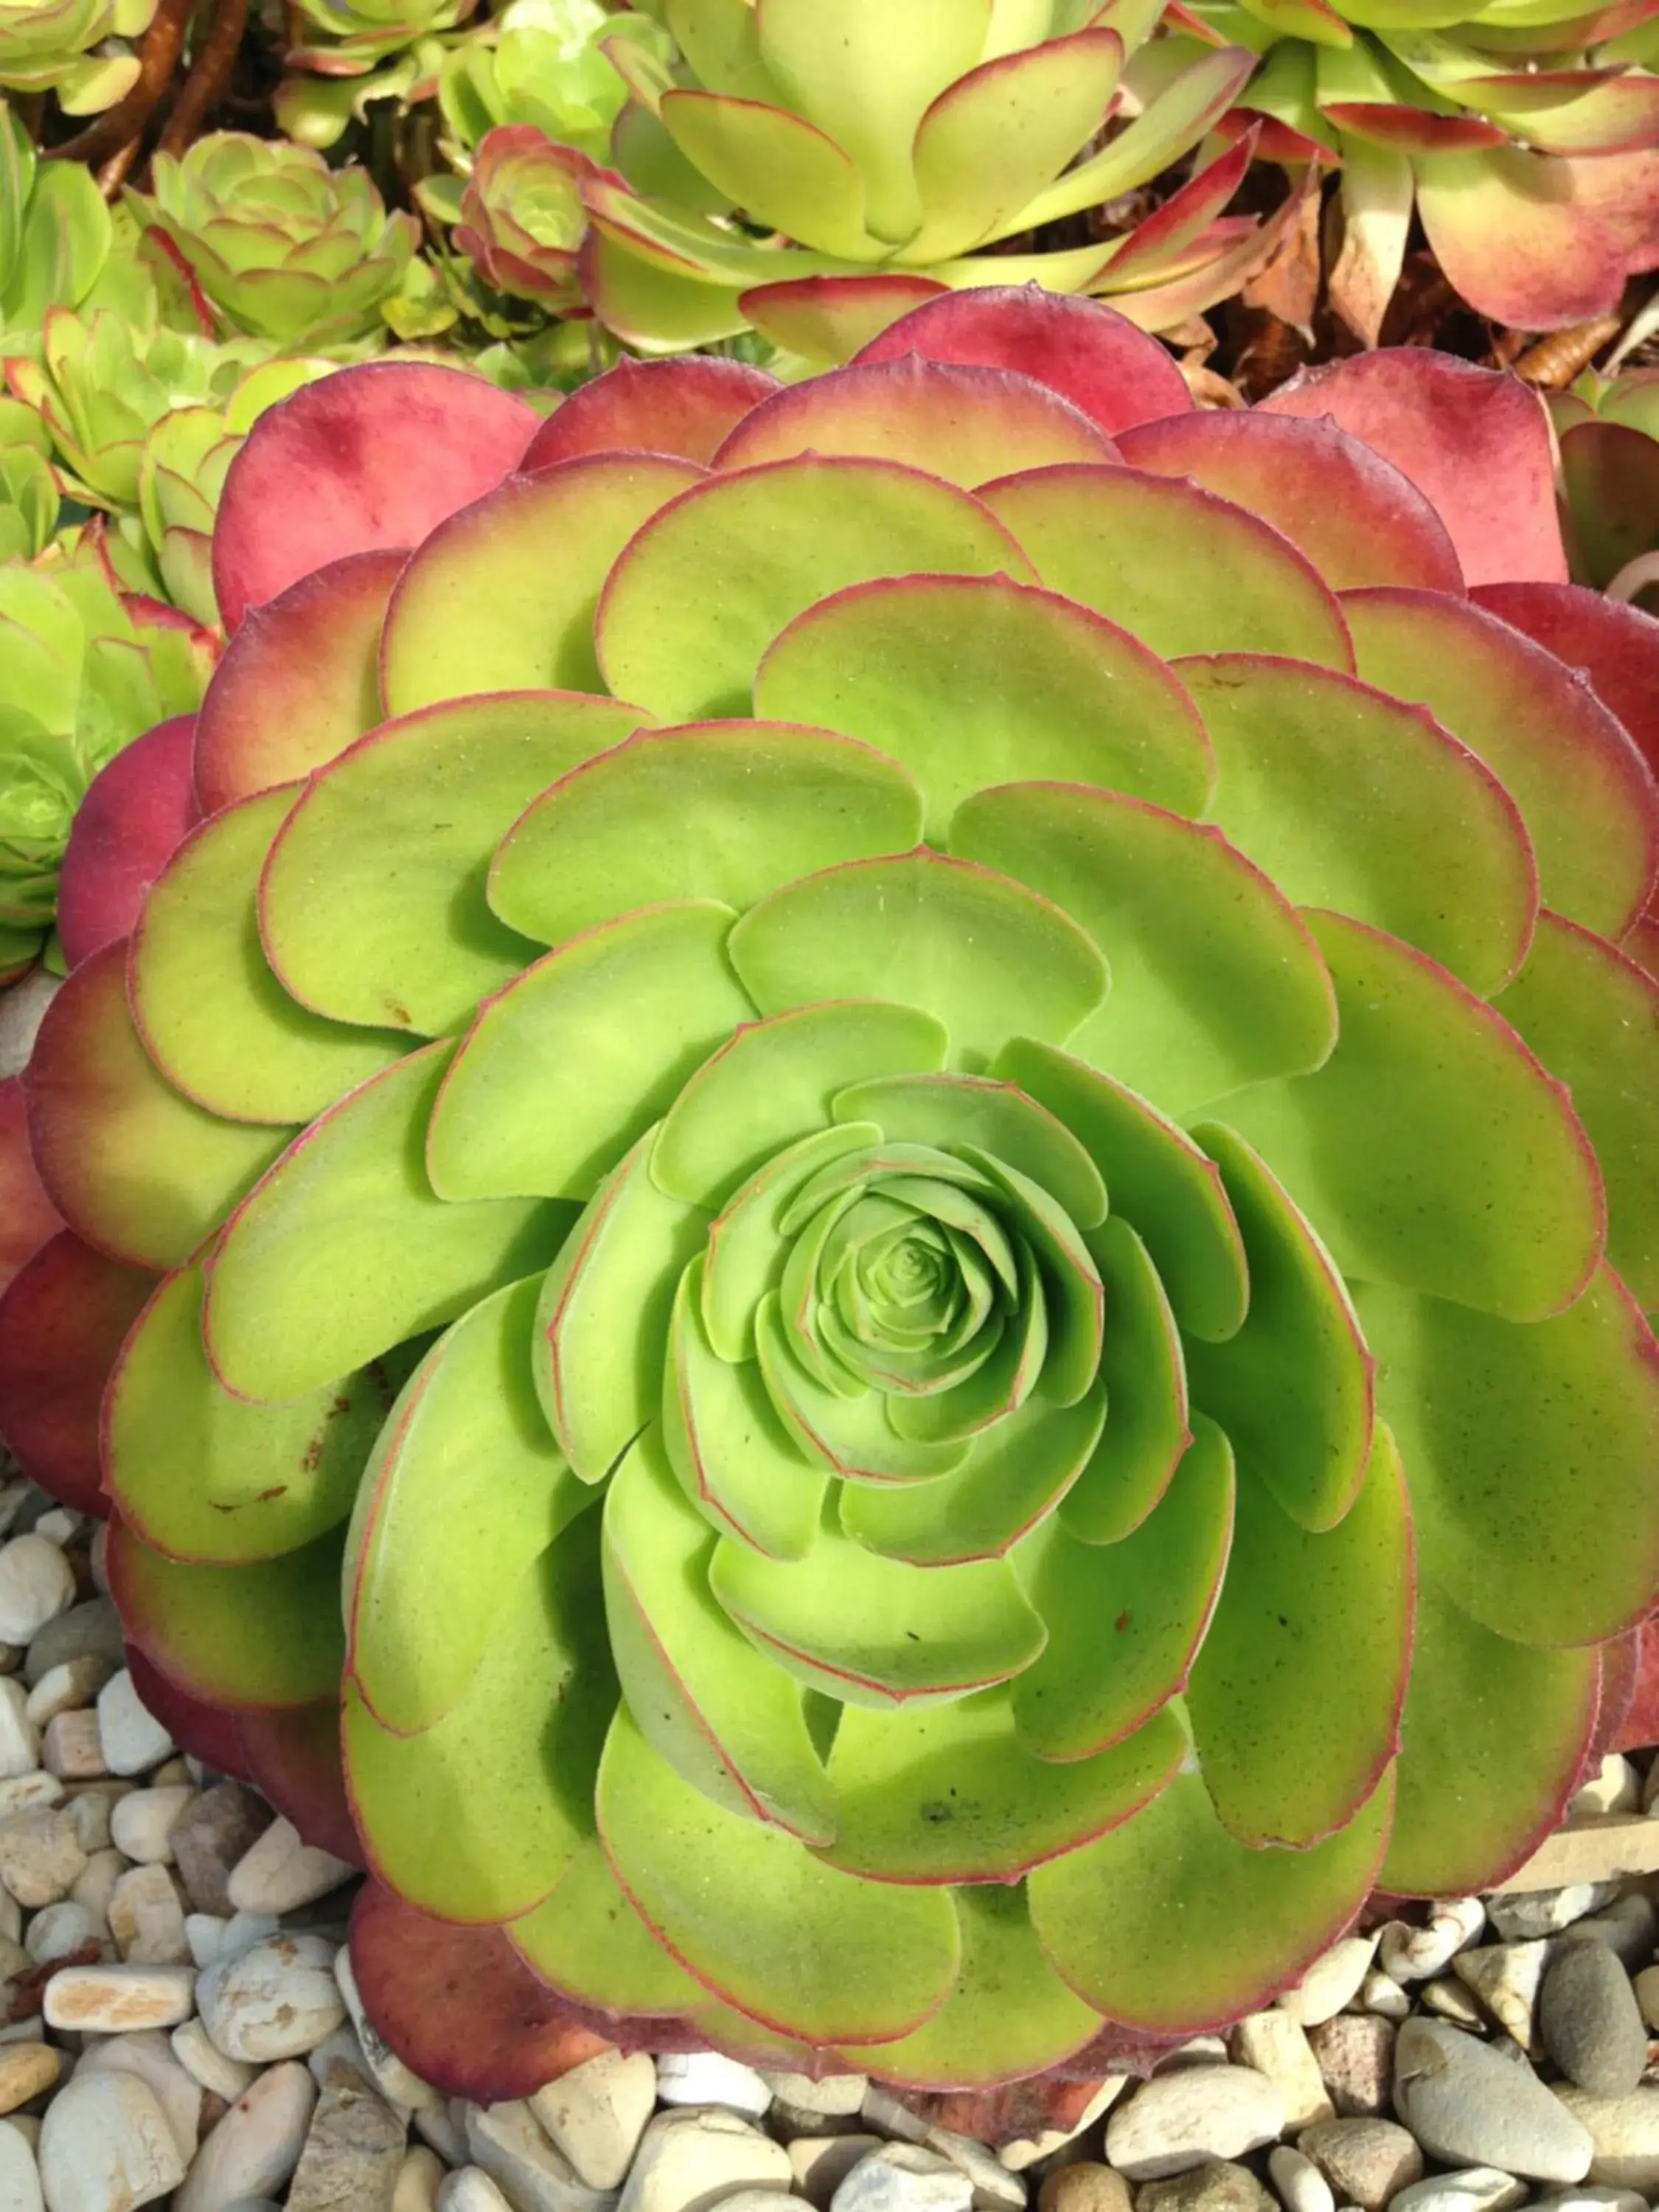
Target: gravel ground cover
x,y
179,2026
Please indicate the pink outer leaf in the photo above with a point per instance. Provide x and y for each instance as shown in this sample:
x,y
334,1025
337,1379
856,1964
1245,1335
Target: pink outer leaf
x,y
965,424
1276,140
294,1756
1475,443
63,1321
1540,240
208,1732
299,683
1617,647
830,317
1412,129
1088,353
372,458
459,2005
1637,1722
1357,518
1161,245
27,1216
685,408
137,808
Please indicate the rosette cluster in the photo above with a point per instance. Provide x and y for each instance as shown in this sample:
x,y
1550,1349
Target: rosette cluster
x,y
878,1185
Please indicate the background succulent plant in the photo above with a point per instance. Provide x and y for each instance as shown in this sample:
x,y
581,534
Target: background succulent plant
x,y
542,61
1010,1086
1609,433
884,153
76,49
521,218
1523,136
84,670
285,248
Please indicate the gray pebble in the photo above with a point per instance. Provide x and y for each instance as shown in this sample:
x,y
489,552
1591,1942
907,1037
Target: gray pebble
x,y
1587,2017
1468,2107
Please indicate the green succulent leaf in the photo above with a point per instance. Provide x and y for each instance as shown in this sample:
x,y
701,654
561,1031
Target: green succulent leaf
x,y
1493,1739
719,545
466,1475
974,681
794,1943
202,1476
1201,1002
1257,1917
948,1793
420,945
1009,2015
986,956
1157,1587
1430,1092
716,810
343,1249
776,1082
507,1775
726,1719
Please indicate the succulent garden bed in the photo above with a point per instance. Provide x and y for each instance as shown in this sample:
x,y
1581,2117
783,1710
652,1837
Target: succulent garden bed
x,y
829,1196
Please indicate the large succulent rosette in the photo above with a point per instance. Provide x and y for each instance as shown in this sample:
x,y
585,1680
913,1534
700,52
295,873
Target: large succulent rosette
x,y
882,1177
1524,134
815,171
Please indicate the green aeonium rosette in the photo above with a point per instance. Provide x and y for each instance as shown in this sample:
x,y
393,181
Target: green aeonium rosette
x,y
971,1072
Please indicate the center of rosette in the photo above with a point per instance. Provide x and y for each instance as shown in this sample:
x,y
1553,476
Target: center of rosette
x,y
903,1276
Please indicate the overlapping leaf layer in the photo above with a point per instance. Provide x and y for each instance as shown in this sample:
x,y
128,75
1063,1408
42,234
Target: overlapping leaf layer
x,y
887,1168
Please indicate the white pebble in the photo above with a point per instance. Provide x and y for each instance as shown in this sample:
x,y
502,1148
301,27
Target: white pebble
x,y
149,2055
690,2158
1615,1787
96,1886
256,2145
134,1741
36,1584
1300,2183
72,1748
104,2141
204,1932
703,2077
66,1688
142,1823
20,2177
1332,1982
903,2177
89,1812
225,2077
1416,1955
396,2083
1473,2189
419,2179
20,1744
278,1999
506,2142
1178,2121
29,1793
471,2189
112,2000
1381,1994
59,1525
596,2113
147,1918
61,1928
279,1873
1520,1915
